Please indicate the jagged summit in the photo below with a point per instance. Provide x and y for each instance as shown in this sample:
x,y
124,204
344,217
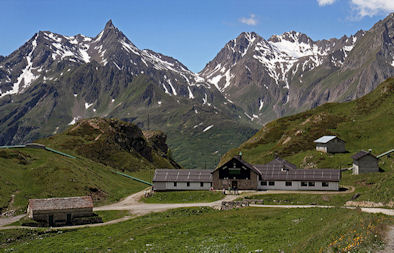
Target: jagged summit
x,y
109,25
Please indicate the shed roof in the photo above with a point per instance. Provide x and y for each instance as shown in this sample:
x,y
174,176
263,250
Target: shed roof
x,y
325,139
61,203
361,154
181,175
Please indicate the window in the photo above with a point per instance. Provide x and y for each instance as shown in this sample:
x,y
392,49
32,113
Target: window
x,y
271,183
174,184
324,184
288,183
304,184
188,184
202,184
311,183
264,183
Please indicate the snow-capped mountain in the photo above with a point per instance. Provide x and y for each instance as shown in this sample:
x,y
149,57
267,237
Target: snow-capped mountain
x,y
260,75
53,80
111,47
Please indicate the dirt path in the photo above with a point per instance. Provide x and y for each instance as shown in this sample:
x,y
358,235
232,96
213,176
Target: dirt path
x,y
389,247
9,220
138,208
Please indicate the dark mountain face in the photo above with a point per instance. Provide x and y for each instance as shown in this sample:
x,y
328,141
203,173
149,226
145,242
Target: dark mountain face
x,y
54,80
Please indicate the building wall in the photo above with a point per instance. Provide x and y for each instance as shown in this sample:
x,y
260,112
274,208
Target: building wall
x,y
59,216
296,185
321,147
242,184
365,164
336,146
333,146
169,186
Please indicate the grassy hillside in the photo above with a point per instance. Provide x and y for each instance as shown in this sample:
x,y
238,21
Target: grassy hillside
x,y
115,143
366,123
36,173
208,230
101,146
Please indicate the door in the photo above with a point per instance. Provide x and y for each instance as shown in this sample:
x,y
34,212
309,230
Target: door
x,y
69,219
234,184
51,220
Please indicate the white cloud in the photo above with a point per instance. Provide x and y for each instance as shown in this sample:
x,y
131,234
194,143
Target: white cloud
x,y
372,7
249,21
325,2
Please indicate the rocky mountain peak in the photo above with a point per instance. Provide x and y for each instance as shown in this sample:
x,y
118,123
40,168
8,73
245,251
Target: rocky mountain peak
x,y
109,25
293,37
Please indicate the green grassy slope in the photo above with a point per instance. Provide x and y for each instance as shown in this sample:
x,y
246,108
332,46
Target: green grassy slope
x,y
36,173
208,230
365,123
112,142
184,197
101,146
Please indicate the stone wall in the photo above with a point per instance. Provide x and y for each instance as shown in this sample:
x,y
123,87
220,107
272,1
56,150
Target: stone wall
x,y
60,216
242,184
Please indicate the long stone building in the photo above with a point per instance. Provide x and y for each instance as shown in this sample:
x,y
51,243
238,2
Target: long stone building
x,y
60,211
175,180
238,174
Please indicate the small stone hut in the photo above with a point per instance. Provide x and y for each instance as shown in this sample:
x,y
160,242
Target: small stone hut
x,y
60,211
330,144
364,162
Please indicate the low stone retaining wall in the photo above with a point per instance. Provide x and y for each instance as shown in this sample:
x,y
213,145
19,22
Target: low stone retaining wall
x,y
227,205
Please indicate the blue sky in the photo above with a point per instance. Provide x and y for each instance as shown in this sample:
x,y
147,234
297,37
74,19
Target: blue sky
x,y
189,30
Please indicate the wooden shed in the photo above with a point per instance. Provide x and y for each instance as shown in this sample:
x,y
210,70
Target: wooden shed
x,y
364,162
330,144
60,211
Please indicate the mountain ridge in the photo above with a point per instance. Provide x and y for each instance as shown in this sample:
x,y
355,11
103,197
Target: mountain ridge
x,y
54,80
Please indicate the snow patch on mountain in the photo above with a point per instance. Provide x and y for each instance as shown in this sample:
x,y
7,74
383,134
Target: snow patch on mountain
x,y
75,119
261,104
87,105
190,93
207,128
27,75
129,47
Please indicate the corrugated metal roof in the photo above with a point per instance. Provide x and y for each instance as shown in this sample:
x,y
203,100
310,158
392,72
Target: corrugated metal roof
x,y
361,154
61,203
329,175
174,175
277,163
325,139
